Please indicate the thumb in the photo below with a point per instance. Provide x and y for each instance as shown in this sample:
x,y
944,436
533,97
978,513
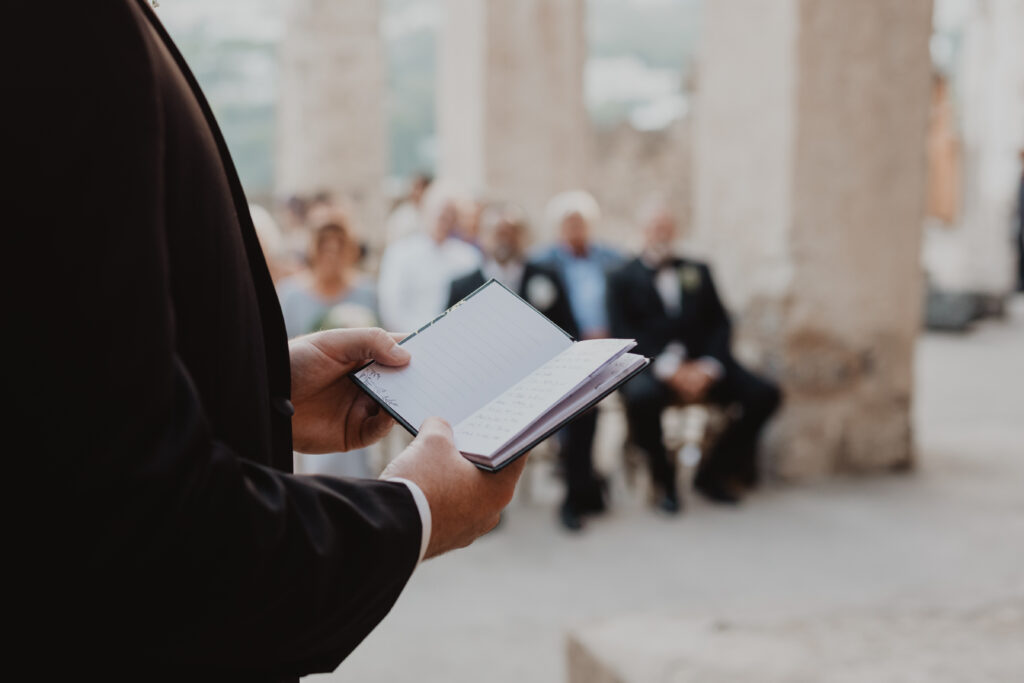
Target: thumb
x,y
353,346
435,427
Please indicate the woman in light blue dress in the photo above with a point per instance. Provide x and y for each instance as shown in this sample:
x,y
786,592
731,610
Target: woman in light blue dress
x,y
332,293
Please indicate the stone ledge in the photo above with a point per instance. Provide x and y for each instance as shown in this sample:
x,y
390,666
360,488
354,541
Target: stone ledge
x,y
981,644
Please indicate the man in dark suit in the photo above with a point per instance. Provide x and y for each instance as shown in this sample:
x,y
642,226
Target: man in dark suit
x,y
503,234
670,306
160,534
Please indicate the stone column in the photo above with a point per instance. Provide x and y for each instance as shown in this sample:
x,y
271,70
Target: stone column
x,y
975,256
810,178
511,118
331,115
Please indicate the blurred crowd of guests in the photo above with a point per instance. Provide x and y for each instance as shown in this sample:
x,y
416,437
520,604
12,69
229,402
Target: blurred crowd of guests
x,y
441,245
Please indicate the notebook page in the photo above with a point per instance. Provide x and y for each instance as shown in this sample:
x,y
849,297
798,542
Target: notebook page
x,y
610,375
467,358
504,418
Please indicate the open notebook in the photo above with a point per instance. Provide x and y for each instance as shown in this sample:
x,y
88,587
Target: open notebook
x,y
503,375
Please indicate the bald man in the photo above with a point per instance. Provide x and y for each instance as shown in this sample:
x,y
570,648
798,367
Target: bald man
x,y
671,307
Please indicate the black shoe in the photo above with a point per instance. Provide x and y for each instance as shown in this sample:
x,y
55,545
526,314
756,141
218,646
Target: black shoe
x,y
570,518
717,493
669,503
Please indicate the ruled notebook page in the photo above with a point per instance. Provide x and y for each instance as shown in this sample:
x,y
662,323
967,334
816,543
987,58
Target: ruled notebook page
x,y
513,411
467,358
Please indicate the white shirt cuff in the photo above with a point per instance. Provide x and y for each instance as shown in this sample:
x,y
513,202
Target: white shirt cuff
x,y
712,366
668,361
424,508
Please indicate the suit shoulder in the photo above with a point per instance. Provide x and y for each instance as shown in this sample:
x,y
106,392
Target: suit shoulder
x,y
75,43
626,270
704,267
469,279
464,285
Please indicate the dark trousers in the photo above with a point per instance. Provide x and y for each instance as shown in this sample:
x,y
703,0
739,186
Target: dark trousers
x,y
576,444
734,454
1020,252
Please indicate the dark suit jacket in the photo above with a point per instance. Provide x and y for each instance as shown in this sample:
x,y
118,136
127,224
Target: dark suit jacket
x,y
161,535
557,309
636,311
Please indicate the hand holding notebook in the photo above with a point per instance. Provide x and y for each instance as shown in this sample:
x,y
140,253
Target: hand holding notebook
x,y
503,375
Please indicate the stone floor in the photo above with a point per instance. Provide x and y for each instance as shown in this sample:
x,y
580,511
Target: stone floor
x,y
947,537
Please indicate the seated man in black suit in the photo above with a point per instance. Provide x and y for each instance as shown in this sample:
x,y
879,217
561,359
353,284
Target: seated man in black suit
x,y
670,306
503,238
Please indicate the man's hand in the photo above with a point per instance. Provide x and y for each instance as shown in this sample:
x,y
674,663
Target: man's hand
x,y
691,382
331,412
465,502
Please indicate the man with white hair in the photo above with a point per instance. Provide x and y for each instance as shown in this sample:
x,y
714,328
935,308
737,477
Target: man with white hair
x,y
583,266
672,309
416,271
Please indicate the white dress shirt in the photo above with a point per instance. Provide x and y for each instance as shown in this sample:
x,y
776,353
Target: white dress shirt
x,y
670,291
509,274
416,274
405,220
423,505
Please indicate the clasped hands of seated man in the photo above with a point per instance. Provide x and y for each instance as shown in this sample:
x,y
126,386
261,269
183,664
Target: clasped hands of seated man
x,y
333,414
692,381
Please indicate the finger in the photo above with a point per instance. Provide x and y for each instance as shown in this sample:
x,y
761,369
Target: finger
x,y
398,336
353,346
435,426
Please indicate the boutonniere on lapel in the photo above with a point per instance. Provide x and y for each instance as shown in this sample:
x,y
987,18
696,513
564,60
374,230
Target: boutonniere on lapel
x,y
689,277
541,292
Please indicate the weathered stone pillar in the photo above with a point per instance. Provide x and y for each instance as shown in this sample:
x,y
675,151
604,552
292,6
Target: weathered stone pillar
x,y
975,256
810,180
331,115
511,118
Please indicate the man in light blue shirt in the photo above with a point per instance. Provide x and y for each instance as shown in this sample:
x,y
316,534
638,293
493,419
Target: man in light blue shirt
x,y
583,267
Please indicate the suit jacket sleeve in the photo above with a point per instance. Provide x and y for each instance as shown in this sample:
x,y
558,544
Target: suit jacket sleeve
x,y
144,525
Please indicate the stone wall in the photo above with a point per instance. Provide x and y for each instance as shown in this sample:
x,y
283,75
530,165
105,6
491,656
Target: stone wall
x,y
630,167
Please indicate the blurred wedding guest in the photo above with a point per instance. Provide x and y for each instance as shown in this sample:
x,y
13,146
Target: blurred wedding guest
x,y
294,212
583,267
406,218
670,306
470,213
503,237
272,242
1020,227
318,202
332,293
417,271
582,264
